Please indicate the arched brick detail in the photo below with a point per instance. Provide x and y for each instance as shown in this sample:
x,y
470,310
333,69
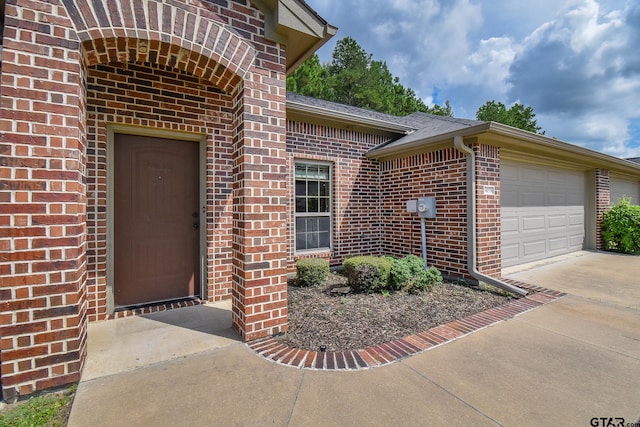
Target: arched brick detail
x,y
188,37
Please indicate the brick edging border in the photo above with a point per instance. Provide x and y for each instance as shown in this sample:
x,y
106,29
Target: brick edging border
x,y
379,355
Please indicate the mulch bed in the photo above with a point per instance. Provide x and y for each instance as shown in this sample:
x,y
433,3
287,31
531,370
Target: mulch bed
x,y
357,321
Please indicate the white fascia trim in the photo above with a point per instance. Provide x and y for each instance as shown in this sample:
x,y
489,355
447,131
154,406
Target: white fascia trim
x,y
350,118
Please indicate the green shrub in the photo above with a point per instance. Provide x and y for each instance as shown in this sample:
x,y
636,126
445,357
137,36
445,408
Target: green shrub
x,y
368,273
312,271
424,280
403,269
621,228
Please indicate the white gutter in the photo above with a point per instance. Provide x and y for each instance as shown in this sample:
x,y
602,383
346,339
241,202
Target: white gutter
x,y
471,221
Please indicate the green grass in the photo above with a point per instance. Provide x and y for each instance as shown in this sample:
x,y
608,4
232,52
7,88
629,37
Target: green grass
x,y
50,410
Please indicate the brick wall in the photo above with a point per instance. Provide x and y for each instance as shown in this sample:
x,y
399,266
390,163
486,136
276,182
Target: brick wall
x,y
603,202
48,47
355,187
441,174
42,200
488,226
160,98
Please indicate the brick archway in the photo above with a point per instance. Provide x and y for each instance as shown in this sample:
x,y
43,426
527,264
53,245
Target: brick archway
x,y
189,37
45,273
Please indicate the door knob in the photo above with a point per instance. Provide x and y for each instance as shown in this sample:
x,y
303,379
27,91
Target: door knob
x,y
195,226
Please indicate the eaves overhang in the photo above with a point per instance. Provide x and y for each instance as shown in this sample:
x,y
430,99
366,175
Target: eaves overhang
x,y
295,24
514,140
325,115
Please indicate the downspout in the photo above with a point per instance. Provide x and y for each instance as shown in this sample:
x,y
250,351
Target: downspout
x,y
471,221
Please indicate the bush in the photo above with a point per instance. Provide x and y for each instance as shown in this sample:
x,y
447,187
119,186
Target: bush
x,y
621,228
425,280
368,273
403,269
312,271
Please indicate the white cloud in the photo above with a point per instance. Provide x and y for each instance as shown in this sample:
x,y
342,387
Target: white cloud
x,y
580,66
575,62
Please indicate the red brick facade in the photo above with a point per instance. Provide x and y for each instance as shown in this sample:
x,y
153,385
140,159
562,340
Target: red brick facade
x,y
131,65
72,73
603,202
441,174
355,187
161,98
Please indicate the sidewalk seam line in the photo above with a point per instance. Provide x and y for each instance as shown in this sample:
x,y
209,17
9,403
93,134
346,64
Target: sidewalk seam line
x,y
451,394
295,401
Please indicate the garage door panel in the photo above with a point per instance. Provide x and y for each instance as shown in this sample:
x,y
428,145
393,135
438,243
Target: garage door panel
x,y
556,199
558,243
509,224
557,221
576,220
531,174
533,248
532,223
531,199
576,242
548,219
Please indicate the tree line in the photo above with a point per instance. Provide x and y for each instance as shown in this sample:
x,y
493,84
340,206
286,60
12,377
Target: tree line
x,y
354,78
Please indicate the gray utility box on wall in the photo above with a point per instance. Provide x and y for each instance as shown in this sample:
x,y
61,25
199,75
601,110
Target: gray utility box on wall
x,y
425,207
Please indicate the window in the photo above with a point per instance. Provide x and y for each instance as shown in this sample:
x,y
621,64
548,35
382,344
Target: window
x,y
313,206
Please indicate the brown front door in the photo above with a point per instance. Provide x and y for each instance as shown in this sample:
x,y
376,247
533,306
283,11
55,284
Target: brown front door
x,y
156,241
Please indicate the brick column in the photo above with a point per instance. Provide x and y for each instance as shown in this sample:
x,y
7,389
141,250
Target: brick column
x,y
42,201
603,202
260,207
489,258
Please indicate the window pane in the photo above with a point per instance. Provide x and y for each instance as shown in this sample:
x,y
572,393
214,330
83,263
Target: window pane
x,y
312,224
301,241
312,241
324,189
301,225
301,188
324,223
301,171
324,241
312,188
312,205
301,204
323,172
312,172
324,204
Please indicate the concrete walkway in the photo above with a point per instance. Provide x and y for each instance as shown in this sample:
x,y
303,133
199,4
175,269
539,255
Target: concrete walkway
x,y
561,364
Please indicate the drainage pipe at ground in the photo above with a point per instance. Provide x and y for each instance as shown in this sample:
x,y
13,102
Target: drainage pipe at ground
x,y
471,222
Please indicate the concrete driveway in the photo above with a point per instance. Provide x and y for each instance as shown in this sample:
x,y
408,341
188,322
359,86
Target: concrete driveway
x,y
563,363
599,276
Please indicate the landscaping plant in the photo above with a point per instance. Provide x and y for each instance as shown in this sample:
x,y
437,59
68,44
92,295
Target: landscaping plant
x,y
386,274
621,228
367,273
312,271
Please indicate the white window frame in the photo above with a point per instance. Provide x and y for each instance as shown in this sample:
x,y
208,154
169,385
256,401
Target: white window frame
x,y
328,214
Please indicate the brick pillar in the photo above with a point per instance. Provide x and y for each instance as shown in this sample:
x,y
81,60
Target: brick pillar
x,y
260,207
603,202
489,258
42,201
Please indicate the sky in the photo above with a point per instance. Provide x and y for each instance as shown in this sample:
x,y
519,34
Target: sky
x,y
575,62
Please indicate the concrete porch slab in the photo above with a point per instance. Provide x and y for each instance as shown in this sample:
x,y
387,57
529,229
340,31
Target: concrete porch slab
x,y
121,345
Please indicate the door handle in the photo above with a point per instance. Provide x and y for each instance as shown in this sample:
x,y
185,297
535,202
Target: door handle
x,y
195,226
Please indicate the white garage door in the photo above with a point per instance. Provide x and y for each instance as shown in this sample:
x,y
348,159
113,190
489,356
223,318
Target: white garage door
x,y
542,211
625,188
